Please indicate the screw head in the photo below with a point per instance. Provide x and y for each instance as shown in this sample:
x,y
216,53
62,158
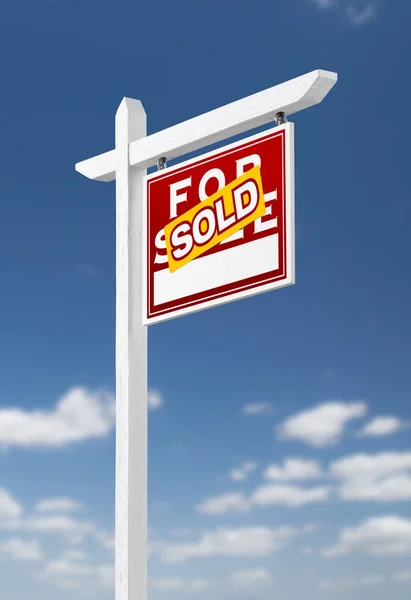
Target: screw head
x,y
162,163
280,118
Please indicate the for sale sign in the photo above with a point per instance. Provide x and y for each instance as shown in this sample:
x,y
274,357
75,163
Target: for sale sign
x,y
220,227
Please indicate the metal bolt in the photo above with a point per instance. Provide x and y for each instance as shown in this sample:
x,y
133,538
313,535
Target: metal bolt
x,y
162,163
280,118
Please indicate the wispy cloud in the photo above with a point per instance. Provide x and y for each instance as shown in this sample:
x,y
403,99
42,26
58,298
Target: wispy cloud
x,y
66,573
402,576
179,583
66,567
325,3
10,508
360,16
294,469
21,549
242,472
356,12
226,503
88,271
70,567
72,529
249,578
155,400
74,554
239,542
289,495
349,582
263,496
58,505
255,409
69,529
105,574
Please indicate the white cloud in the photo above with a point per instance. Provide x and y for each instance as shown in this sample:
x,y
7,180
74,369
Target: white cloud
x,y
20,549
68,573
369,580
79,415
403,576
106,540
270,494
74,530
179,532
254,409
169,583
242,472
379,536
325,3
294,469
388,489
383,426
200,584
366,580
155,400
74,554
9,507
329,584
250,578
105,574
322,425
383,477
359,17
225,503
179,583
241,542
356,16
326,584
289,495
71,529
66,568
364,465
65,584
58,505
307,550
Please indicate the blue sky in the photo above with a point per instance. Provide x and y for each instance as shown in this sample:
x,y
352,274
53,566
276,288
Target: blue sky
x,y
280,422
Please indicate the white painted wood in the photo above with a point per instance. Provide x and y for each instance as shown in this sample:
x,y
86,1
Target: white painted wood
x,y
133,153
216,125
131,364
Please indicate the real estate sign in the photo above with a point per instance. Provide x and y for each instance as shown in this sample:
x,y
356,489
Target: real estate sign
x,y
219,227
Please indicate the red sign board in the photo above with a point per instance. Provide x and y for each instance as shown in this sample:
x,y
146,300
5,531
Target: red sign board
x,y
190,263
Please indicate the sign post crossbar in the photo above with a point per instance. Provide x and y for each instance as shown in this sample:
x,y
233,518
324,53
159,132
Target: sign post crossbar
x,y
235,118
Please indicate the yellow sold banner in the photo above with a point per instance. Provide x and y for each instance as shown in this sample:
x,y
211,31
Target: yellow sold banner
x,y
215,219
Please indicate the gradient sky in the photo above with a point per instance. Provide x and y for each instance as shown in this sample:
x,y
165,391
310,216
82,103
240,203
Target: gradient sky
x,y
279,449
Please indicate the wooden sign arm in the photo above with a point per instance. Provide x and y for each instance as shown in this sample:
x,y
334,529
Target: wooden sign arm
x,y
235,118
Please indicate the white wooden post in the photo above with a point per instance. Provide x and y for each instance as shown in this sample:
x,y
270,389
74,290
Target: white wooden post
x,y
127,163
131,364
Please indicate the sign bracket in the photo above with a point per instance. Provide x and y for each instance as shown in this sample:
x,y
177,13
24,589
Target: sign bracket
x,y
281,118
162,163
